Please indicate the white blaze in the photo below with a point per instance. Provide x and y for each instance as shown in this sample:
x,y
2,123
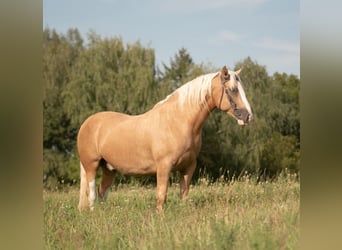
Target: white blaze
x,y
244,98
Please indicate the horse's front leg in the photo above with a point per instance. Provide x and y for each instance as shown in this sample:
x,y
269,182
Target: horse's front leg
x,y
185,179
162,185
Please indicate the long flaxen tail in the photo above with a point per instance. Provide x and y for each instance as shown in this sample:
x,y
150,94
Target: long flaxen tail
x,y
83,202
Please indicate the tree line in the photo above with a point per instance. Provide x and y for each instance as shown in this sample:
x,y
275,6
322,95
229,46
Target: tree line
x,y
107,74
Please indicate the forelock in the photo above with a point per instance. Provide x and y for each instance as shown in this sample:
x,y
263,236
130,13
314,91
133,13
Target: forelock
x,y
232,80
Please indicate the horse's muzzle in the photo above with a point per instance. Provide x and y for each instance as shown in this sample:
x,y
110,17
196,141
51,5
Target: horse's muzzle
x,y
243,117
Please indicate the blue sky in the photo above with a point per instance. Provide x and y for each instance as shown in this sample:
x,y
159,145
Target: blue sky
x,y
215,32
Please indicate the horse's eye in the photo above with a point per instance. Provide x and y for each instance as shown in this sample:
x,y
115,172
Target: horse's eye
x,y
235,90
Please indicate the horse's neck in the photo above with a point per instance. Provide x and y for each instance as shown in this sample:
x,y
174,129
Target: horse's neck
x,y
194,117
201,114
199,118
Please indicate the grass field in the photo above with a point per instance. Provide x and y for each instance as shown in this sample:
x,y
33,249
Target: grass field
x,y
241,214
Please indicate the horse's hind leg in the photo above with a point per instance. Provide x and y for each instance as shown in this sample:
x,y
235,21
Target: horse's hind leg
x,y
106,182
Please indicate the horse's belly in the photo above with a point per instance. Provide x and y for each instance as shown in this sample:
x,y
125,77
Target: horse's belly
x,y
128,158
136,170
131,168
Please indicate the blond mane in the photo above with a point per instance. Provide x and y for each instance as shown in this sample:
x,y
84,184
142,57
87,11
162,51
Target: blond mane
x,y
195,91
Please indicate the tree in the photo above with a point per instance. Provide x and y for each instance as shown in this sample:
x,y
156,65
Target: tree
x,y
108,74
268,145
60,52
80,81
181,70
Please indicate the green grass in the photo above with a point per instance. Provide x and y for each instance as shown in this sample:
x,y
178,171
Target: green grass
x,y
240,214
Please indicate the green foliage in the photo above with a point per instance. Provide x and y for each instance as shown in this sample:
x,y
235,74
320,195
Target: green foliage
x,y
267,146
107,74
181,70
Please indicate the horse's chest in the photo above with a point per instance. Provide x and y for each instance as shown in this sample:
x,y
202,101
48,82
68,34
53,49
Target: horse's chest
x,y
188,155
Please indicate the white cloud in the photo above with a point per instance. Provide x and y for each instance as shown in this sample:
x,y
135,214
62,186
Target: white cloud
x,y
280,45
281,55
229,36
289,63
201,5
225,36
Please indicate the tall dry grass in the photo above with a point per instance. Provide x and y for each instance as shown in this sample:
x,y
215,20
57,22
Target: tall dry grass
x,y
240,214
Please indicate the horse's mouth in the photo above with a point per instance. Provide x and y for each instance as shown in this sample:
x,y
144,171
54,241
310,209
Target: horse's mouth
x,y
242,119
241,122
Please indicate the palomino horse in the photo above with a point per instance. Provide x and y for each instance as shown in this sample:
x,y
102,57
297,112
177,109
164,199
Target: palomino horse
x,y
164,139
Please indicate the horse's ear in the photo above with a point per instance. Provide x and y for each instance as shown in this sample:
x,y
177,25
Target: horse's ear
x,y
224,70
238,71
224,73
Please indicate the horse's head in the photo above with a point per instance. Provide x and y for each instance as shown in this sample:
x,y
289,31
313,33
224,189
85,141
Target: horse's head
x,y
229,96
